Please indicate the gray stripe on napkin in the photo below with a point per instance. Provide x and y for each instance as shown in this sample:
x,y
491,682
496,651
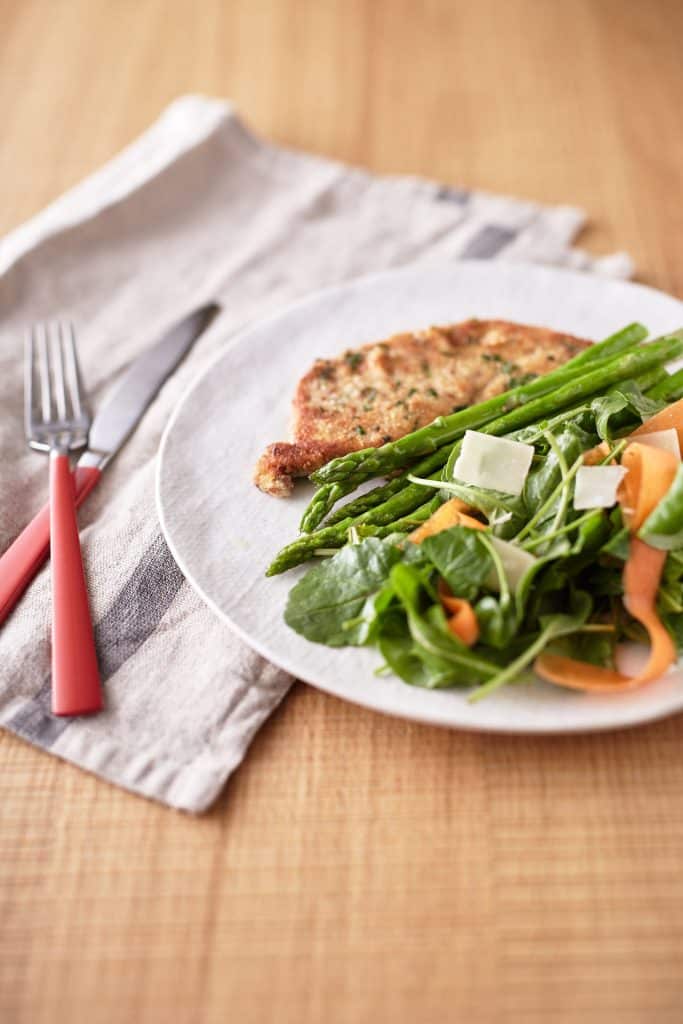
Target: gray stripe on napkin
x,y
488,242
34,722
448,194
130,620
139,607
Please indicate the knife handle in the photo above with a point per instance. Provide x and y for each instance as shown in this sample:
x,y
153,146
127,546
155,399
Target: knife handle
x,y
76,688
25,555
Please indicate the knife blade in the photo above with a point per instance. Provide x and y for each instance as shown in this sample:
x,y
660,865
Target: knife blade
x,y
111,427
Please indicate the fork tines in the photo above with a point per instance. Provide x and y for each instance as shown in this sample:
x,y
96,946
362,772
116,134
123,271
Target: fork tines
x,y
54,408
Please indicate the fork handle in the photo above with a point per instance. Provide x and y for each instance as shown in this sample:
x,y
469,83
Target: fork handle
x,y
25,555
76,688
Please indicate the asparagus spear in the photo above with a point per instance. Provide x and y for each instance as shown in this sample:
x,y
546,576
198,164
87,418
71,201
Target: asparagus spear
x,y
380,493
329,494
670,387
395,508
369,462
411,496
632,364
305,547
647,358
325,498
655,383
410,521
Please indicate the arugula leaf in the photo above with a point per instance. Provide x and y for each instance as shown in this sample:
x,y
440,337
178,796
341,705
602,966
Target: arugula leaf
x,y
340,590
596,648
552,557
605,580
428,627
580,607
570,442
673,567
674,623
485,500
592,534
460,557
670,596
623,405
497,620
663,528
618,545
409,661
552,626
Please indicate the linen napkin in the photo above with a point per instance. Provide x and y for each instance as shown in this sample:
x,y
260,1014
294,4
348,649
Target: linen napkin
x,y
196,209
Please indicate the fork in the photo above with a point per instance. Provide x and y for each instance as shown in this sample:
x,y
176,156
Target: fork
x,y
58,421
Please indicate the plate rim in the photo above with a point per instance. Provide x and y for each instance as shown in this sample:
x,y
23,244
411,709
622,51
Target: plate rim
x,y
425,716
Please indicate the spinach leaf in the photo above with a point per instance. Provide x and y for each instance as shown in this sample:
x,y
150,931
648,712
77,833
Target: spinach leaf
x,y
663,528
364,627
342,589
460,557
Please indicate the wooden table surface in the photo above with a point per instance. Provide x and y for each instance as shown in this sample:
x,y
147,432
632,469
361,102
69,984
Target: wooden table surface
x,y
359,869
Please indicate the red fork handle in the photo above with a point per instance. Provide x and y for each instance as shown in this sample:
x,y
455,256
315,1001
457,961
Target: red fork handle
x,y
25,555
76,688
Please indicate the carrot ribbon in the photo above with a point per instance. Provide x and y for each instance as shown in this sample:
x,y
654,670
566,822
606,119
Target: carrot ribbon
x,y
462,621
451,513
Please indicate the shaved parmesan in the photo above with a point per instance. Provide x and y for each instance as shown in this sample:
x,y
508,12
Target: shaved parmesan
x,y
515,560
596,486
667,440
493,462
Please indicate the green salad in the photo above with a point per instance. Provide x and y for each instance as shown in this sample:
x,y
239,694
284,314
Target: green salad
x,y
538,529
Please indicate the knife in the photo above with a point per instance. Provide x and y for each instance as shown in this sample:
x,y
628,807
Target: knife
x,y
111,427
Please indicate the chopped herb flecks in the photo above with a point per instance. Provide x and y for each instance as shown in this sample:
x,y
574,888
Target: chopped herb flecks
x,y
523,378
353,359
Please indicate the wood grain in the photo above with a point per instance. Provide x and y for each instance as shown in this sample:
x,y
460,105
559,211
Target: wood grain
x,y
359,868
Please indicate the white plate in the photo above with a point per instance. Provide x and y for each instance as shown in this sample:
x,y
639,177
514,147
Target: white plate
x,y
223,531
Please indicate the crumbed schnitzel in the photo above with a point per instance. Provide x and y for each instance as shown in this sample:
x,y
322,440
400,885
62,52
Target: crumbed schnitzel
x,y
374,394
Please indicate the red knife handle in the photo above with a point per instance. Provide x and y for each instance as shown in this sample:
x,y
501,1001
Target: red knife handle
x,y
76,686
24,557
